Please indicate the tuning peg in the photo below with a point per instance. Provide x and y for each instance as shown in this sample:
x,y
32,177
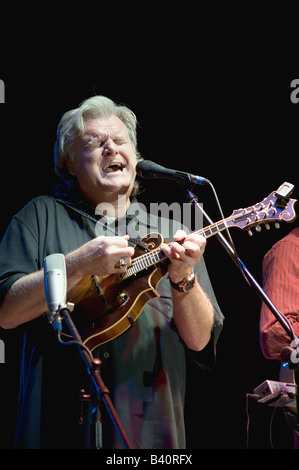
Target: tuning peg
x,y
267,226
250,233
258,228
277,225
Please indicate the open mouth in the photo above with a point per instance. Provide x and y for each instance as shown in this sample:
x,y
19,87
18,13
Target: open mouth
x,y
113,167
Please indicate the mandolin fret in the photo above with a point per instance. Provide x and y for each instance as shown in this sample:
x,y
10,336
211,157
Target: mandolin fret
x,y
144,261
212,229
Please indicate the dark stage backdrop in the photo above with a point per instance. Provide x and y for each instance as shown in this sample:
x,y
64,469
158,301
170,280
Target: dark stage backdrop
x,y
228,119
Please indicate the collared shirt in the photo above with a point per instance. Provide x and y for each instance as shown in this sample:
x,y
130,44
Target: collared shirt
x,y
281,284
144,368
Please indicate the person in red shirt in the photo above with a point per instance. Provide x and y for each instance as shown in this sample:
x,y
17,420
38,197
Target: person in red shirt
x,y
281,284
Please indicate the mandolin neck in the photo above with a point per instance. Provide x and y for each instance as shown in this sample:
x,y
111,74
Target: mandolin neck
x,y
151,258
274,208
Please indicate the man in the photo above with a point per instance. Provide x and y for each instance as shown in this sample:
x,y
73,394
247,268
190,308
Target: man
x,y
144,368
280,282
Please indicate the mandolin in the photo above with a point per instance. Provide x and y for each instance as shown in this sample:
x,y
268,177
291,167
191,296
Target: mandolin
x,y
106,306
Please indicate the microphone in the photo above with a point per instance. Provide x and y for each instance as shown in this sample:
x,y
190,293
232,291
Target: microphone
x,y
55,287
148,169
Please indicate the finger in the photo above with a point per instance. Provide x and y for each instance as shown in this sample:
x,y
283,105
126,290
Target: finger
x,y
194,247
199,239
129,252
114,243
191,249
167,250
173,251
192,242
181,253
123,240
180,235
187,250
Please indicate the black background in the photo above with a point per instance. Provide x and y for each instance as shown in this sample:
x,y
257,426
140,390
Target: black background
x,y
214,103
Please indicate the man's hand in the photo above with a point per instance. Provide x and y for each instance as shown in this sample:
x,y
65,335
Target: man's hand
x,y
102,256
183,256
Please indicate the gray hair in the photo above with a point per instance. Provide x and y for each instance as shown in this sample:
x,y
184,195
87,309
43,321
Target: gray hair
x,y
72,125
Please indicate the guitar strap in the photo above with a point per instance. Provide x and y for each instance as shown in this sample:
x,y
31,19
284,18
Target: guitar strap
x,y
108,230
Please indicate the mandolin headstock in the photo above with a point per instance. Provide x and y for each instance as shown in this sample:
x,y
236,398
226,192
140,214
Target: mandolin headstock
x,y
277,207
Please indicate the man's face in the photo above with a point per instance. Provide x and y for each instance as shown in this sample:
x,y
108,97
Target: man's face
x,y
104,160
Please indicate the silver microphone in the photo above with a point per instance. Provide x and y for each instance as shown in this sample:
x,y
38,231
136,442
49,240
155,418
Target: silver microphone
x,y
55,286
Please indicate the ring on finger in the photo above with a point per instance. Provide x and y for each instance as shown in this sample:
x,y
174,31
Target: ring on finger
x,y
122,263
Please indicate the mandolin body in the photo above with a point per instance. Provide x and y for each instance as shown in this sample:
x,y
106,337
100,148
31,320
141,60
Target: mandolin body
x,y
106,306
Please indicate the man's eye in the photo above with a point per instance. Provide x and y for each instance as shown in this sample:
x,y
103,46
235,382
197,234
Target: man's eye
x,y
94,144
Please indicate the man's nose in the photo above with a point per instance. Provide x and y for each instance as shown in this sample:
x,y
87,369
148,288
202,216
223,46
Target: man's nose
x,y
110,148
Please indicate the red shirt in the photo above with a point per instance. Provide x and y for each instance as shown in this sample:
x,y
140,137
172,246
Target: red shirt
x,y
281,284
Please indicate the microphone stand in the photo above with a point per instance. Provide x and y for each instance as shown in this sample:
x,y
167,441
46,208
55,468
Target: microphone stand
x,y
93,370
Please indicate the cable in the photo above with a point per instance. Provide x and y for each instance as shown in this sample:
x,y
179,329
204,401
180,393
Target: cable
x,y
77,343
222,216
228,232
277,405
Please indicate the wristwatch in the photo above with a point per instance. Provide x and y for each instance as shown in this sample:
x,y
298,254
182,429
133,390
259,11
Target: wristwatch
x,y
186,284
